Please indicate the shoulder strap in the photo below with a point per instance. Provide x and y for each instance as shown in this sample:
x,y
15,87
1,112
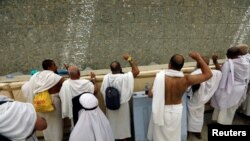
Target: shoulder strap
x,y
2,102
76,108
3,138
109,84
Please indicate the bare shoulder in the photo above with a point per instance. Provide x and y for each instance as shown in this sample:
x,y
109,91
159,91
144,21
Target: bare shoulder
x,y
195,79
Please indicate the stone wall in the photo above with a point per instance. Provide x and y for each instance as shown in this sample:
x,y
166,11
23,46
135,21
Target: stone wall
x,y
92,33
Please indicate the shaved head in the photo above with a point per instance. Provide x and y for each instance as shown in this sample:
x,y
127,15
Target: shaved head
x,y
74,72
244,48
115,67
176,62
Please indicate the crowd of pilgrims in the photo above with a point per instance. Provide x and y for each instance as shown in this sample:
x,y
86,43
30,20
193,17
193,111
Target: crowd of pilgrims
x,y
178,100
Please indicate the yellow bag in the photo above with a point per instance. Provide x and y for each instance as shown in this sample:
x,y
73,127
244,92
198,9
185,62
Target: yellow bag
x,y
42,102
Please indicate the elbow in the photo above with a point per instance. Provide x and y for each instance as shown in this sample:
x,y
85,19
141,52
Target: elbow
x,y
136,73
209,75
41,124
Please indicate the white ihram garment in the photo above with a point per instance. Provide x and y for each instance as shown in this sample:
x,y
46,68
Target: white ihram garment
x,y
120,119
199,99
231,91
17,120
165,123
246,103
69,90
92,124
39,82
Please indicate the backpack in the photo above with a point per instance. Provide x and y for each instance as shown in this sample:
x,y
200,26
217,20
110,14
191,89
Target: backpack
x,y
2,138
112,98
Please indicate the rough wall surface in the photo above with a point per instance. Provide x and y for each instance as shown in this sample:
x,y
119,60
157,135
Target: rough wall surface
x,y
92,33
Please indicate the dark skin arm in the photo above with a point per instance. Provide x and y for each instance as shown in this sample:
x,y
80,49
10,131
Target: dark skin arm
x,y
150,94
175,88
57,87
215,61
40,124
93,80
206,72
133,65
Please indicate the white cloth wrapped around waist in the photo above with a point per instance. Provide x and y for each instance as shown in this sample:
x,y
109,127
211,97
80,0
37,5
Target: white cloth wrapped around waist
x,y
158,91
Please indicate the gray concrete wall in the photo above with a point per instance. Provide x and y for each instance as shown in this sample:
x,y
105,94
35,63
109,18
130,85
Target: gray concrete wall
x,y
92,33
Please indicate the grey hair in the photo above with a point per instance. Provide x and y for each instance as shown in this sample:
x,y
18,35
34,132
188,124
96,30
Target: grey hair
x,y
73,70
243,45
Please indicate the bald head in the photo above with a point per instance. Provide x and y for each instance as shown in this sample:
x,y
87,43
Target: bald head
x,y
176,62
244,48
233,52
74,72
115,67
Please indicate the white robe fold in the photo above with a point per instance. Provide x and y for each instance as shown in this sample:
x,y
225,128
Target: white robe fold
x,y
231,91
158,91
69,90
42,81
246,103
196,103
184,118
39,82
232,87
17,120
92,126
165,122
125,84
171,131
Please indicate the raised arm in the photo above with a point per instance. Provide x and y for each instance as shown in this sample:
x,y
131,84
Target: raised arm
x,y
93,80
215,61
206,72
133,65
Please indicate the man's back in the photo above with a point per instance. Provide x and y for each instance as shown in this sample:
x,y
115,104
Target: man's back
x,y
174,89
168,88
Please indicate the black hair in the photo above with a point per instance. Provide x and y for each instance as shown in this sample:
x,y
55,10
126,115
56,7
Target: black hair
x,y
47,63
177,61
115,67
233,52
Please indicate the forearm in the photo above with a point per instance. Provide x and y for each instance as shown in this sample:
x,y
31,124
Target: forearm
x,y
217,65
95,89
134,68
93,80
206,71
150,94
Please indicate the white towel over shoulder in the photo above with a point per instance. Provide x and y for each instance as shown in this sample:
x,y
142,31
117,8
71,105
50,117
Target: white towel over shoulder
x,y
158,91
70,89
39,82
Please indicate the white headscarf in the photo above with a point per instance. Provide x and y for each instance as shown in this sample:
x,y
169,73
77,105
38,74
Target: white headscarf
x,y
88,101
92,124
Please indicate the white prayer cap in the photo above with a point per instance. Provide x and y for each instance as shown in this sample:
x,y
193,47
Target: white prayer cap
x,y
88,101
